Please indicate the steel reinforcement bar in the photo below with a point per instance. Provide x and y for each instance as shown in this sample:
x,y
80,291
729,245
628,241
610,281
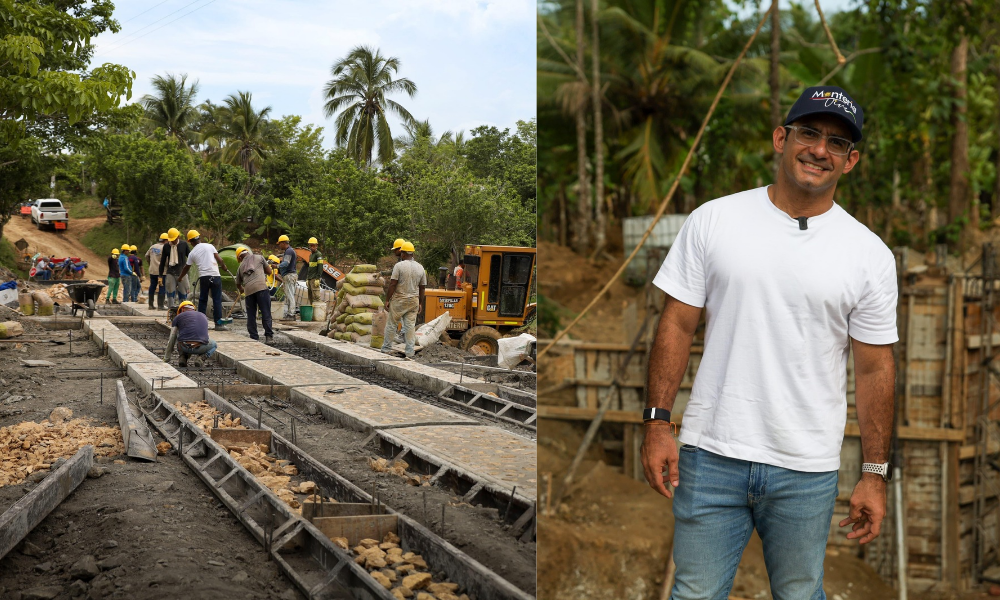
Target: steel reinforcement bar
x,y
478,581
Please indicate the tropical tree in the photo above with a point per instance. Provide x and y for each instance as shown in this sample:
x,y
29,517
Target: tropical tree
x,y
172,106
361,81
244,135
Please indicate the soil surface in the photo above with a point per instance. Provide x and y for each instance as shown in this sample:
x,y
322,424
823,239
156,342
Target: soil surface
x,y
159,529
60,243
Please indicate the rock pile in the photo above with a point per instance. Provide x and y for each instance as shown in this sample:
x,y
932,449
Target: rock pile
x,y
404,574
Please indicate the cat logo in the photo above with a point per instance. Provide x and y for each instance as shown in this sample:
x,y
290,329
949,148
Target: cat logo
x,y
491,308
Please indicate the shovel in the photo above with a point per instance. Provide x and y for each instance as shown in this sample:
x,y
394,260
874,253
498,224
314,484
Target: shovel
x,y
22,341
229,316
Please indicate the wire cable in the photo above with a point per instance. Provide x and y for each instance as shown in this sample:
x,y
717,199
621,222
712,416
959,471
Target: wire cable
x,y
122,43
144,12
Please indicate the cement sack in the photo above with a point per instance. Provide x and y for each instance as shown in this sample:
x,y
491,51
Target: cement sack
x,y
377,341
364,301
342,306
46,307
340,284
27,303
371,289
513,350
340,327
364,269
332,333
379,319
359,311
342,318
8,296
363,318
430,333
363,279
9,329
364,340
359,328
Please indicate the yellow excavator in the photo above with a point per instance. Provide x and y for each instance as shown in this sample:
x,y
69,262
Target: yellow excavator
x,y
490,298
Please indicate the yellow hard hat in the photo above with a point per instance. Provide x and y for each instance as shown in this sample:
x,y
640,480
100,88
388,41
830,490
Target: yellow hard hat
x,y
173,234
193,234
164,236
397,244
282,238
313,240
273,258
115,251
133,248
126,247
241,251
185,304
406,247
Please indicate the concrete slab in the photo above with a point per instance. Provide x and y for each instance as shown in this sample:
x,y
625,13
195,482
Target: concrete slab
x,y
145,374
488,453
422,376
124,353
230,353
345,352
368,407
228,336
292,373
307,339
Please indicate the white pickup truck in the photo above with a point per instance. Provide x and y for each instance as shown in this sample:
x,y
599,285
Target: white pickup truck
x,y
49,211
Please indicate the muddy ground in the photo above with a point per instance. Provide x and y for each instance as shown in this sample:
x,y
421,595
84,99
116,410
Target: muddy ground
x,y
156,521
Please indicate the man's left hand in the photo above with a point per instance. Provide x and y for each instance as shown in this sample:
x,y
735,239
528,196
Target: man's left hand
x,y
867,509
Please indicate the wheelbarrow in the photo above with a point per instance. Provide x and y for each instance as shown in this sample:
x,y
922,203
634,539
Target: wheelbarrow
x,y
85,296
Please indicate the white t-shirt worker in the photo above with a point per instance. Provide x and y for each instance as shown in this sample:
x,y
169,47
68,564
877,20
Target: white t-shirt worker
x,y
790,283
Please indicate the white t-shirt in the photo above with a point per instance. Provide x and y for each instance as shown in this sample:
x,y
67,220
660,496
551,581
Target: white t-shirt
x,y
780,304
203,257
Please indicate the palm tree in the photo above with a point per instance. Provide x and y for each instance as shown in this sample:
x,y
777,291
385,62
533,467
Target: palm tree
x,y
361,81
172,106
243,135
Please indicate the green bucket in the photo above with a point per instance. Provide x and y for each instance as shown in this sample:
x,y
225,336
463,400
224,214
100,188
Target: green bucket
x,y
306,312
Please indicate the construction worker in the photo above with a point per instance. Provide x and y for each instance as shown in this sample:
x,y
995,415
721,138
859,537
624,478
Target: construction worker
x,y
315,271
136,263
790,283
114,278
175,254
153,258
206,258
251,281
125,269
404,299
396,247
273,279
189,332
289,279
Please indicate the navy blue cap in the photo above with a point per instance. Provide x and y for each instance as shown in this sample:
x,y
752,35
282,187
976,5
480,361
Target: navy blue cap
x,y
830,100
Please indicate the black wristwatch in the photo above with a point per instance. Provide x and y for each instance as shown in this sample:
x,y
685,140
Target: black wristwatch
x,y
655,414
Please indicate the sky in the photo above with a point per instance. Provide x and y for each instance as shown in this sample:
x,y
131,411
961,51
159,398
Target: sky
x,y
473,61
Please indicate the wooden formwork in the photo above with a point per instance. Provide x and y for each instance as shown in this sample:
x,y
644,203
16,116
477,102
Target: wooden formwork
x,y
938,398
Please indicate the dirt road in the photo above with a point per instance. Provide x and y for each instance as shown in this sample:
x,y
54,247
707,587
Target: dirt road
x,y
65,243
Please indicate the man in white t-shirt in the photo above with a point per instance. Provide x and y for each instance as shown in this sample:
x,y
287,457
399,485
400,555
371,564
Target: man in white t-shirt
x,y
790,282
204,256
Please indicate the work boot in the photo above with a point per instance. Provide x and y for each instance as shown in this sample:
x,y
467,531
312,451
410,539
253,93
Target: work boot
x,y
159,302
182,361
221,327
150,303
268,339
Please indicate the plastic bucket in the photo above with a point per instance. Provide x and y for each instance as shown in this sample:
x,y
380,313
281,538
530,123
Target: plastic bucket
x,y
306,312
319,312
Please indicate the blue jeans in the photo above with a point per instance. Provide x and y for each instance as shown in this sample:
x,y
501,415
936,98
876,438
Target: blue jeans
x,y
207,349
136,288
127,281
262,300
213,284
719,503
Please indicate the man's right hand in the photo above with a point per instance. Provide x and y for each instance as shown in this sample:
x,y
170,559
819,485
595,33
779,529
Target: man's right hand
x,y
659,454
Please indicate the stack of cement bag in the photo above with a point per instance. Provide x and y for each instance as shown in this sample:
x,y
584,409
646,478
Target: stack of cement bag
x,y
358,299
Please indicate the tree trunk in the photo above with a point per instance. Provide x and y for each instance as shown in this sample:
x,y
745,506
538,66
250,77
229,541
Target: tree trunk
x,y
775,76
581,233
562,214
601,220
958,193
995,204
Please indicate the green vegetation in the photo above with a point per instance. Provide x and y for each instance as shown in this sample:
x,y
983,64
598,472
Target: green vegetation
x,y
103,238
623,90
8,258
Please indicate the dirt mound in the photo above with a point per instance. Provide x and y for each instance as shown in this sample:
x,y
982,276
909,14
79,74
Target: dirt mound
x,y
572,281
